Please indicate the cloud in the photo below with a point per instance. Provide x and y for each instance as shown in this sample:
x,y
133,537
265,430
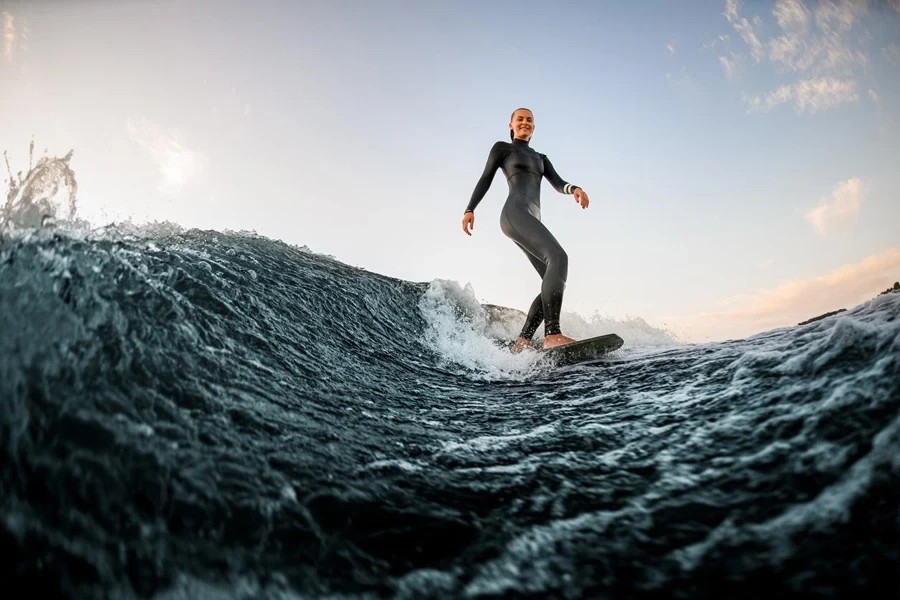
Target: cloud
x,y
892,52
826,47
9,36
721,39
809,95
729,65
745,29
791,14
821,44
885,120
838,213
177,163
792,302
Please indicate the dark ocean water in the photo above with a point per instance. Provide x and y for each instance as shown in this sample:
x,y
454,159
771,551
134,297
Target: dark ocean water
x,y
197,414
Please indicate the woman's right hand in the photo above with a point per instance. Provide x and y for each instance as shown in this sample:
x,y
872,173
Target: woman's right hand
x,y
468,222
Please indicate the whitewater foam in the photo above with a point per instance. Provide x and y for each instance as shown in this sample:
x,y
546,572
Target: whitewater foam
x,y
476,338
456,328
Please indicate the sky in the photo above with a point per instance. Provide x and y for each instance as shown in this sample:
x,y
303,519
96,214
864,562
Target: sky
x,y
742,158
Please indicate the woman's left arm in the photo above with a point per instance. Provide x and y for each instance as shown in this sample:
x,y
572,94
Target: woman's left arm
x,y
562,186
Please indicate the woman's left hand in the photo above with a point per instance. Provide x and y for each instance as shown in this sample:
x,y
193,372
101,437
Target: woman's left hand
x,y
581,197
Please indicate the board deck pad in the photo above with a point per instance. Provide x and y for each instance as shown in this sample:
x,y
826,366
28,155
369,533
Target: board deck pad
x,y
584,350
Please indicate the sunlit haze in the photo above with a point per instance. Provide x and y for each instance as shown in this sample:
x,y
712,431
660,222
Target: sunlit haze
x,y
742,158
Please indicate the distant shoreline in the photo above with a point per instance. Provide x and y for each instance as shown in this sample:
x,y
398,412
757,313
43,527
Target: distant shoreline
x,y
504,311
890,290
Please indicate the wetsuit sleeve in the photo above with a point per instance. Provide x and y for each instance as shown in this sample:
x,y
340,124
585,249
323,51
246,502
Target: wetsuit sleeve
x,y
555,180
494,160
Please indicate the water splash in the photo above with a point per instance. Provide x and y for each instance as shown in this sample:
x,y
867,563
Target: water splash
x,y
464,333
45,195
477,337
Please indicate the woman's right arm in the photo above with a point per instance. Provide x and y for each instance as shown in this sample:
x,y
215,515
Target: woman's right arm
x,y
494,160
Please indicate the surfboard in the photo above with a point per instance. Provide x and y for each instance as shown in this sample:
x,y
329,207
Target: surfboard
x,y
584,350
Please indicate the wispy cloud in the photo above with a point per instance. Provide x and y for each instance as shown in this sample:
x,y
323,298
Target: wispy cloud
x,y
720,39
9,36
794,301
837,213
820,44
177,163
885,120
729,65
791,14
729,60
745,29
892,52
809,95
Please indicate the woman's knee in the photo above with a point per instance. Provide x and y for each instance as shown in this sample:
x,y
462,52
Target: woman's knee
x,y
560,265
560,259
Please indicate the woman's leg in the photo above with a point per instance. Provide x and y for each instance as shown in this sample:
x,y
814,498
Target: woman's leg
x,y
536,312
542,248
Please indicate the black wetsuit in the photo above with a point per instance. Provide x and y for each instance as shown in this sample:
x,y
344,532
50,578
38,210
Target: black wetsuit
x,y
520,220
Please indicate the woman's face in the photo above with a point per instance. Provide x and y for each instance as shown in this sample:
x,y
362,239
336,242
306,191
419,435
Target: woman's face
x,y
522,124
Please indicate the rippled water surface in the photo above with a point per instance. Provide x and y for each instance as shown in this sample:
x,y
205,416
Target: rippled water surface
x,y
191,414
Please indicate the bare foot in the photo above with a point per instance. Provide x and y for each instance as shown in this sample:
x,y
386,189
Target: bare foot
x,y
520,345
551,341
